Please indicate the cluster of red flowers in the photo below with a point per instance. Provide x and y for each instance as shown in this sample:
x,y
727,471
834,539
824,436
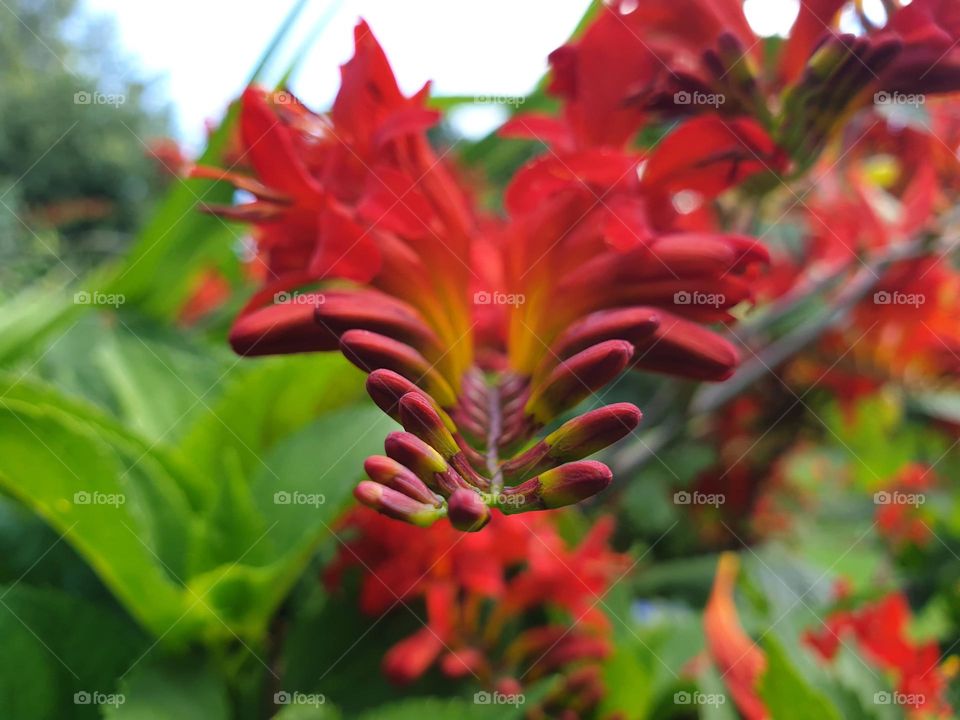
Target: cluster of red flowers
x,y
479,332
877,630
881,195
480,589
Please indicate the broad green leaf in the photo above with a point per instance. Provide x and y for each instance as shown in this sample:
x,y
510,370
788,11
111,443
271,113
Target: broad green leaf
x,y
297,492
308,712
640,676
59,652
170,689
786,693
263,401
80,486
712,686
31,317
159,383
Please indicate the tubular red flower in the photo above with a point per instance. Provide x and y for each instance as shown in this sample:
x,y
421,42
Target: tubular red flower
x,y
739,660
480,332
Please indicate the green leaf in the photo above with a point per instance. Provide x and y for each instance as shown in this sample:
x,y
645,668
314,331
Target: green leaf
x,y
308,712
297,492
437,709
32,316
263,401
641,676
78,484
785,692
56,646
160,691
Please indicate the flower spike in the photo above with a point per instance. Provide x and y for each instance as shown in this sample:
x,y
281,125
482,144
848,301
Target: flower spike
x,y
481,335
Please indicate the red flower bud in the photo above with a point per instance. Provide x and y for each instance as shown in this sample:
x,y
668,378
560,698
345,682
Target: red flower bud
x,y
578,377
463,662
575,439
467,511
395,504
280,330
379,313
370,351
632,324
418,416
392,474
682,347
425,462
565,485
410,658
386,388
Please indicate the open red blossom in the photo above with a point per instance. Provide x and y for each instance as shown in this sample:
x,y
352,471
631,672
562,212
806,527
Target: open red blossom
x,y
479,332
879,631
700,57
477,587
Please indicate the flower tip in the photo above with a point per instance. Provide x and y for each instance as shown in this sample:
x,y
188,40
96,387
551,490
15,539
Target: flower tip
x,y
389,473
418,416
368,492
279,330
579,376
573,482
409,659
394,504
385,388
467,511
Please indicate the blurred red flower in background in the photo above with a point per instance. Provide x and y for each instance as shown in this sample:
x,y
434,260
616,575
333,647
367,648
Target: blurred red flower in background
x,y
479,588
879,631
900,517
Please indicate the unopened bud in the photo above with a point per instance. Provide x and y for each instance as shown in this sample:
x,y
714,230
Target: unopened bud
x,y
419,417
577,377
371,351
390,473
467,510
575,439
280,329
396,505
386,388
562,486
425,462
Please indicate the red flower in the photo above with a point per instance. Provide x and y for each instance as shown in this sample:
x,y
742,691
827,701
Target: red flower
x,y
476,588
634,55
880,633
899,515
210,291
478,332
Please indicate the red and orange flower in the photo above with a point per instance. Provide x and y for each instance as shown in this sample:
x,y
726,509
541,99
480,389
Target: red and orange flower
x,y
479,332
478,589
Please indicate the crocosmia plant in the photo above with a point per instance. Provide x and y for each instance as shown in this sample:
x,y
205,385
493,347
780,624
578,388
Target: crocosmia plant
x,y
643,403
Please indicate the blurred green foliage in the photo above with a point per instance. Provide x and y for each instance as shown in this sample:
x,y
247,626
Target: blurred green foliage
x,y
76,124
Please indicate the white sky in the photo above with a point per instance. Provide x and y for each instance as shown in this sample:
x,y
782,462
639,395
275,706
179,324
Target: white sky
x,y
205,49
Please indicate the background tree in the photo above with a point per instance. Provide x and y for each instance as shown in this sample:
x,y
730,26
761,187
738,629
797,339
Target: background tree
x,y
76,124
